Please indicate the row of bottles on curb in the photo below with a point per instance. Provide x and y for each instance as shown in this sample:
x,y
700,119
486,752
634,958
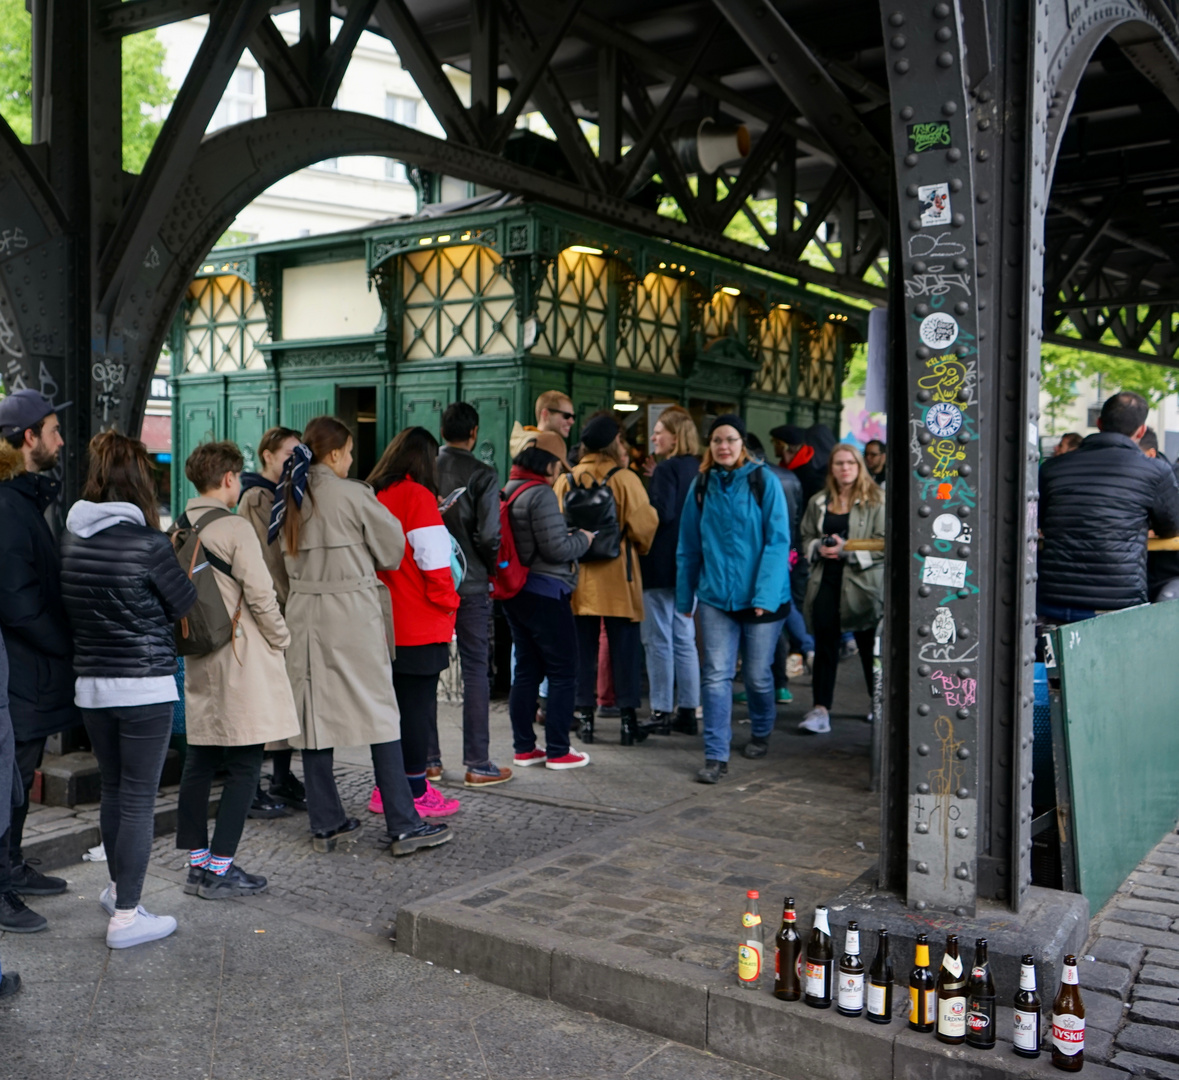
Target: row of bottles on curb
x,y
959,1008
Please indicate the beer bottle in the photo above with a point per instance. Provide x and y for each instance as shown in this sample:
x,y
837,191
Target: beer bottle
x,y
922,990
951,995
1026,1039
788,957
749,952
880,982
850,1000
820,959
980,1001
1068,1021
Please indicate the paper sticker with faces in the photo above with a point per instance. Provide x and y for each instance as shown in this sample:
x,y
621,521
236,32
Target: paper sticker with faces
x,y
935,203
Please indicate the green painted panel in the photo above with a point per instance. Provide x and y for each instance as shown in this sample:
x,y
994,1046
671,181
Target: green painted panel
x,y
247,418
303,401
591,393
1119,683
494,406
202,419
420,404
761,416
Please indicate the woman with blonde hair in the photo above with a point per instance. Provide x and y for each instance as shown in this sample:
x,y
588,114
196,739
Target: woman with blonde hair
x,y
336,536
669,639
845,590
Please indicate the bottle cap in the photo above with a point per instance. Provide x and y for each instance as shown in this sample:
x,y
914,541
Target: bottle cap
x,y
753,894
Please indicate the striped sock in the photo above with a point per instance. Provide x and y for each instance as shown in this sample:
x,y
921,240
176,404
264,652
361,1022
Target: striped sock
x,y
220,864
199,858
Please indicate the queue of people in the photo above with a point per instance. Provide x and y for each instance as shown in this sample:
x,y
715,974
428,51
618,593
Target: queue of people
x,y
329,606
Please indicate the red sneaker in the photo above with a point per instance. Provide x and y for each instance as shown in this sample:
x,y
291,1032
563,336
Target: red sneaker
x,y
535,756
571,760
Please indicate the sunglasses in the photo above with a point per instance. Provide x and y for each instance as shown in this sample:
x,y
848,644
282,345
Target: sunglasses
x,y
562,412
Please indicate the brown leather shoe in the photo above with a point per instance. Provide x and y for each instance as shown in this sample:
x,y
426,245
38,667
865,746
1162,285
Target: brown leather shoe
x,y
486,777
433,772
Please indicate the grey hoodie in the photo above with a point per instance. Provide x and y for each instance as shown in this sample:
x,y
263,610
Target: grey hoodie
x,y
87,518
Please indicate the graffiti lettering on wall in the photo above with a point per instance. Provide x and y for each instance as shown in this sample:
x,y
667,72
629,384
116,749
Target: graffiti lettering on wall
x,y
109,376
13,240
950,652
946,454
8,342
947,375
928,136
944,782
936,282
958,693
934,246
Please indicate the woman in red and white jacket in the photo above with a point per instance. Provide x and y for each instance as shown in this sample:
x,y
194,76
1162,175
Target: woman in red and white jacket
x,y
424,605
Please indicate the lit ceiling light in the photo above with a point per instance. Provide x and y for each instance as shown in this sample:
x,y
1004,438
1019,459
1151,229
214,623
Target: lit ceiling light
x,y
622,395
465,236
730,290
663,266
624,407
444,239
426,240
584,249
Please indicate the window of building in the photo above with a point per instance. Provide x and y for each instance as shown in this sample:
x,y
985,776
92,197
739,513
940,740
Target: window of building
x,y
401,110
238,102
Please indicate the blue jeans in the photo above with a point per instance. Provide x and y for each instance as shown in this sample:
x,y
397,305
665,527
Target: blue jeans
x,y
797,632
723,637
669,640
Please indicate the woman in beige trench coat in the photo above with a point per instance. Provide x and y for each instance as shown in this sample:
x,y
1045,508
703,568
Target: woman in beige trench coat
x,y
335,537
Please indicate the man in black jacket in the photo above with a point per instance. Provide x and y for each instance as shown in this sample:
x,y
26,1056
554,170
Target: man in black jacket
x,y
473,520
40,648
1096,505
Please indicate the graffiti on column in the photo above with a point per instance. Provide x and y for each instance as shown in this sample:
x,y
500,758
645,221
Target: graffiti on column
x,y
109,377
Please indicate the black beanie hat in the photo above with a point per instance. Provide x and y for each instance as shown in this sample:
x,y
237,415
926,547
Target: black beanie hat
x,y
790,434
728,420
599,432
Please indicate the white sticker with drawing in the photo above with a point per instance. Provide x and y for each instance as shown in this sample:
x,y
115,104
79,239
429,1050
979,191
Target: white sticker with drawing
x,y
949,572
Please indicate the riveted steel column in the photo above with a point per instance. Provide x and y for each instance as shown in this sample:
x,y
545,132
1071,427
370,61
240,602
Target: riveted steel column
x,y
935,560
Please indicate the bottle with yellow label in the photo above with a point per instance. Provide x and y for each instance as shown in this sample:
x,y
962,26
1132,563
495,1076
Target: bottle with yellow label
x,y
749,952
922,990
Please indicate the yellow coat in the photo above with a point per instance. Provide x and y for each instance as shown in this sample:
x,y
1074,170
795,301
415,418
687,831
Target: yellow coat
x,y
615,586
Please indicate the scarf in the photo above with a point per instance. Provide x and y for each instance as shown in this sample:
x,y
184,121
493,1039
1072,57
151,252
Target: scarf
x,y
293,483
256,480
520,473
805,453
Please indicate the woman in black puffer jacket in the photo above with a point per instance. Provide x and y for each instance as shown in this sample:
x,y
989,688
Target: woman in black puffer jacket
x,y
123,589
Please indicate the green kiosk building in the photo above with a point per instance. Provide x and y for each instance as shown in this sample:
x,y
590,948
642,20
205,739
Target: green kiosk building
x,y
492,301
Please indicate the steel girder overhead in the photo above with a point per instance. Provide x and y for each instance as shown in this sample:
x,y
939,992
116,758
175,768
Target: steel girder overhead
x,y
929,128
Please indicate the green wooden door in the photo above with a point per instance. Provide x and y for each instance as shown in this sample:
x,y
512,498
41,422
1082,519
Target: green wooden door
x,y
494,406
303,401
421,404
201,413
247,418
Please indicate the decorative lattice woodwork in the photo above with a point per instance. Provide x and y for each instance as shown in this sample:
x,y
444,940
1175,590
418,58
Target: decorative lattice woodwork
x,y
224,323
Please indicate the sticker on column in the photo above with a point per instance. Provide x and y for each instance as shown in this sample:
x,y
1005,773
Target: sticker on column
x,y
948,572
947,526
928,136
945,630
935,203
943,419
939,331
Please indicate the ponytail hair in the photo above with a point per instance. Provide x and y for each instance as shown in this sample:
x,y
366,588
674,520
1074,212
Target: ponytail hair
x,y
321,436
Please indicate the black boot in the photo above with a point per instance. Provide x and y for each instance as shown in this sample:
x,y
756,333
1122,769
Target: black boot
x,y
685,722
631,732
583,723
659,724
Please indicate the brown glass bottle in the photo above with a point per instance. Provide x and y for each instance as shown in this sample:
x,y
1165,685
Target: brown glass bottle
x,y
788,956
1068,1021
1027,1018
820,959
951,995
879,1003
922,989
980,1001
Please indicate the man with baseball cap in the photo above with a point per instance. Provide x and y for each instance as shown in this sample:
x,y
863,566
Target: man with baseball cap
x,y
40,648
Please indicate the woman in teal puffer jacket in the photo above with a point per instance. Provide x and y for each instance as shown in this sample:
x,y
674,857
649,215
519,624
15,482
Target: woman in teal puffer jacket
x,y
734,558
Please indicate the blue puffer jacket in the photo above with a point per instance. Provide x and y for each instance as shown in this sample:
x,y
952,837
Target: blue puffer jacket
x,y
734,555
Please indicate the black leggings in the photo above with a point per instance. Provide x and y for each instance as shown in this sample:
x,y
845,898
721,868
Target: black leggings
x,y
417,699
828,637
130,743
244,764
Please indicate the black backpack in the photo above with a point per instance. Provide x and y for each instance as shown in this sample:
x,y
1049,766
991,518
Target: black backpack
x,y
757,484
208,626
592,507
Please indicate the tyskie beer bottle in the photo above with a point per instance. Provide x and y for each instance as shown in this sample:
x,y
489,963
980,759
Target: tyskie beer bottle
x,y
788,957
820,959
850,997
951,995
1027,1024
749,952
980,1001
922,990
879,991
1068,1021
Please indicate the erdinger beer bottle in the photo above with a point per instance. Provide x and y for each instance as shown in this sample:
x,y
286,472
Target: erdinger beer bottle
x,y
880,982
820,959
749,952
922,990
980,1001
1026,1035
951,995
788,957
850,1001
1068,1021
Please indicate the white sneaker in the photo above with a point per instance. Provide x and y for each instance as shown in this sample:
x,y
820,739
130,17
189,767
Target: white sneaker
x,y
817,721
143,928
107,899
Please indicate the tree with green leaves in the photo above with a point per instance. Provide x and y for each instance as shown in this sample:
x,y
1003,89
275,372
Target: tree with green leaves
x,y
145,88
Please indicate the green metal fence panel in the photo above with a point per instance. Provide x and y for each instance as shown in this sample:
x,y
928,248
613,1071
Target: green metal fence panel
x,y
1120,683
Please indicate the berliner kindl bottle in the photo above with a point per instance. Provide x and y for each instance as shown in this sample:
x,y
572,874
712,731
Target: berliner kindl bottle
x,y
850,997
1027,1018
